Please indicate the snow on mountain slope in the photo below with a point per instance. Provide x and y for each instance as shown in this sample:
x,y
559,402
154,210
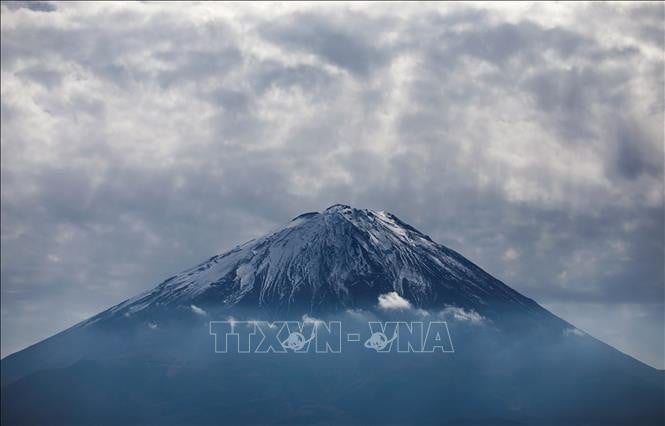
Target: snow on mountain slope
x,y
340,258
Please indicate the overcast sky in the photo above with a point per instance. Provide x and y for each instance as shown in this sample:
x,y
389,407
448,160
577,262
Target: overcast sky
x,y
140,139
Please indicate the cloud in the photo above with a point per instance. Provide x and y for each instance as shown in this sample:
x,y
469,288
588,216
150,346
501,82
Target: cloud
x,y
461,314
357,314
36,6
573,332
336,41
198,311
306,319
393,300
140,138
510,255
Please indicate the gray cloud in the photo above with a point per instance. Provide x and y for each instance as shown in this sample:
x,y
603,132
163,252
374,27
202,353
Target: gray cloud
x,y
349,42
37,6
140,138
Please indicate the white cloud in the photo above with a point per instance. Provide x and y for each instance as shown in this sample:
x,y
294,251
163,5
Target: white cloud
x,y
393,300
573,332
511,254
310,320
461,314
198,311
357,314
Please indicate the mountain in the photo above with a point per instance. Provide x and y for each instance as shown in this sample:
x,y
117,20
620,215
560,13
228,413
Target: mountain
x,y
152,360
339,259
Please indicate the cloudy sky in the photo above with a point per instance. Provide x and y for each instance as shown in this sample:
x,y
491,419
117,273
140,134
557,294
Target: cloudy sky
x,y
140,139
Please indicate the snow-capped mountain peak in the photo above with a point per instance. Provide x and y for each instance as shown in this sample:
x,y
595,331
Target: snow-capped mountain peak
x,y
342,257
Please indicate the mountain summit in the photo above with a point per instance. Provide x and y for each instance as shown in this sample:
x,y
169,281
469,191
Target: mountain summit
x,y
340,258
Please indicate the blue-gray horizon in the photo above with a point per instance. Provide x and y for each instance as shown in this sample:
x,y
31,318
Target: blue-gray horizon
x,y
139,139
